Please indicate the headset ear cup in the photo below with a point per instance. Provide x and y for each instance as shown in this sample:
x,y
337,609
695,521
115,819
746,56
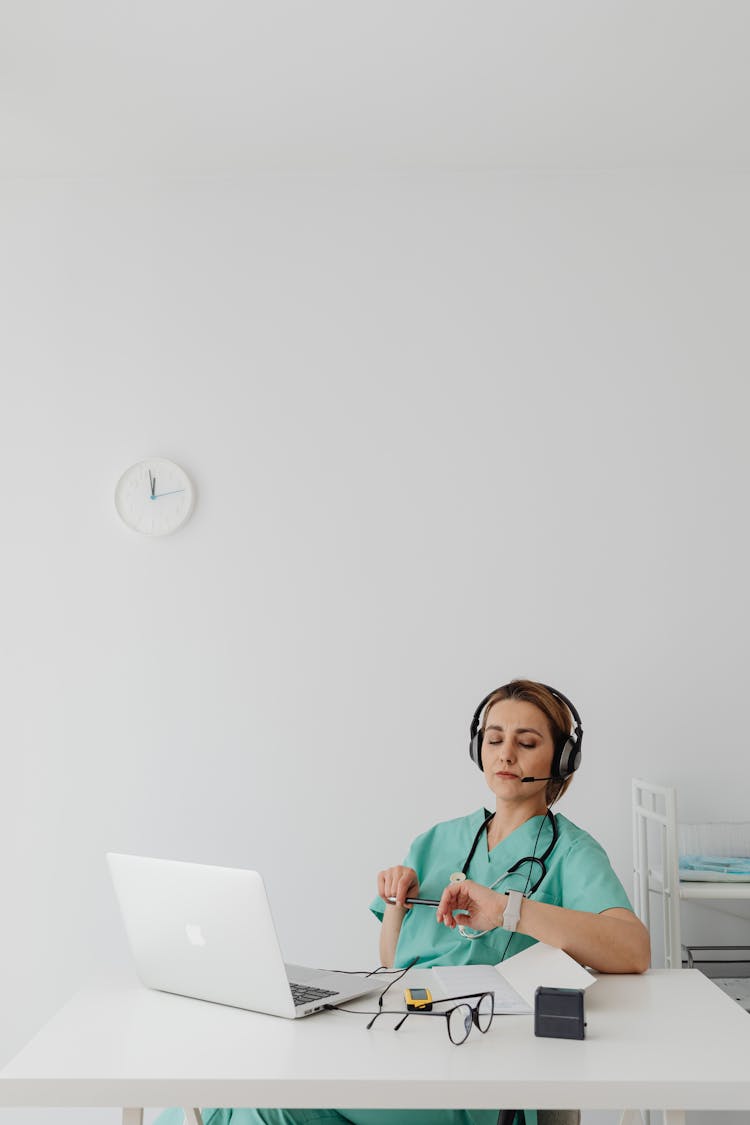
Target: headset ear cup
x,y
568,760
475,748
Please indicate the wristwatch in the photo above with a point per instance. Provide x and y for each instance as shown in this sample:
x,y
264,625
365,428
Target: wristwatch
x,y
512,915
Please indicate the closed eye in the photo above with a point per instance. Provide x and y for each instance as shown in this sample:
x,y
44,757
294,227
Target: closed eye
x,y
499,742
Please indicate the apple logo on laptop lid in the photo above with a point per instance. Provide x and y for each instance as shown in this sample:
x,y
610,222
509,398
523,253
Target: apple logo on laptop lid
x,y
195,936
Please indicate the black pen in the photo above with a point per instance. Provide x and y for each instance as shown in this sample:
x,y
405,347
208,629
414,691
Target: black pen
x,y
417,901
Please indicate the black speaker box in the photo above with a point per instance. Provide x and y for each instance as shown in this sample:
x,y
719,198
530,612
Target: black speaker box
x,y
558,1012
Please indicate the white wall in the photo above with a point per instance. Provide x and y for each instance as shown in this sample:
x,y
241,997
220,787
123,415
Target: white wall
x,y
444,431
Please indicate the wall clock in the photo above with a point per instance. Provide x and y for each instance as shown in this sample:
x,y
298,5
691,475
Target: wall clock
x,y
154,497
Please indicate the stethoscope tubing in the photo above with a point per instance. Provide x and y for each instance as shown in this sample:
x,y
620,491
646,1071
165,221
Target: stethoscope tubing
x,y
524,859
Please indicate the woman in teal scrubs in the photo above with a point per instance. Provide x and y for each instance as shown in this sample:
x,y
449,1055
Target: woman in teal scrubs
x,y
572,898
518,874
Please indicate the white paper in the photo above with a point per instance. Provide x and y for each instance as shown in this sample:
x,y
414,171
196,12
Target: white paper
x,y
542,965
464,980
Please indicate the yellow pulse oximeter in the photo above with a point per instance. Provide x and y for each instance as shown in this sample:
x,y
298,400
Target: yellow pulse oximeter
x,y
418,999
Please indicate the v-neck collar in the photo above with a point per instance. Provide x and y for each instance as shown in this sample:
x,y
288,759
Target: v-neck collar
x,y
519,842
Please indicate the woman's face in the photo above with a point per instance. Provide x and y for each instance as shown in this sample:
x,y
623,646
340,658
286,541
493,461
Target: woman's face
x,y
517,743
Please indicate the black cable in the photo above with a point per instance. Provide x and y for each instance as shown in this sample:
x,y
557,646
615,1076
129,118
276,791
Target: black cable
x,y
523,892
380,971
359,1012
508,1116
402,973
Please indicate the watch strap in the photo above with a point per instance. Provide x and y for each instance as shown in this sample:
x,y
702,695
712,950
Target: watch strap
x,y
512,913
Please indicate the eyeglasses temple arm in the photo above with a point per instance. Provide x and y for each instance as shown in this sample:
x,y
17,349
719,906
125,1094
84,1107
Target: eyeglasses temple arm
x,y
465,996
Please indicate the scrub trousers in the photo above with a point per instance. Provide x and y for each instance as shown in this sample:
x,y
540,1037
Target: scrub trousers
x,y
342,1117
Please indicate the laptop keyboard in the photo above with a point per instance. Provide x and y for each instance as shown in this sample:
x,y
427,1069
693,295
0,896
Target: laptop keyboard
x,y
305,993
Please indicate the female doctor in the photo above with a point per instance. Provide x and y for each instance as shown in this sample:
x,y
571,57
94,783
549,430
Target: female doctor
x,y
518,873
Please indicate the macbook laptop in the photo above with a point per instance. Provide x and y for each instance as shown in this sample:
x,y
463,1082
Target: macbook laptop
x,y
207,932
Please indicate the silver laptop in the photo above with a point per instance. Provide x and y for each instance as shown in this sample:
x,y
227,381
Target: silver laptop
x,y
207,932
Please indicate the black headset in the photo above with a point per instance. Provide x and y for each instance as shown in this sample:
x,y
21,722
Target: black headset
x,y
567,756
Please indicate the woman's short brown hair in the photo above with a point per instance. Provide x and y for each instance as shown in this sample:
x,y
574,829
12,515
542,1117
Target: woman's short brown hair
x,y
557,714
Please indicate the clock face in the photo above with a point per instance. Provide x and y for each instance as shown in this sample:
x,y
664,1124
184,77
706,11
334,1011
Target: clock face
x,y
154,497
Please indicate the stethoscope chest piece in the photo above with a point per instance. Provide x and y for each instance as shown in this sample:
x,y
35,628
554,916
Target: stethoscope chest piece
x,y
457,877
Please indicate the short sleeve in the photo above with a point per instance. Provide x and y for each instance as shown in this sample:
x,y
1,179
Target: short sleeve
x,y
588,880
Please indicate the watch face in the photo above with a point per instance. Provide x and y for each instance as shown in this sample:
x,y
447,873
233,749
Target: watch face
x,y
154,497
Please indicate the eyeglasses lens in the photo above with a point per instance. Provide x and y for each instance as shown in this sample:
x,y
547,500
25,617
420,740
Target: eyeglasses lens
x,y
485,1011
459,1023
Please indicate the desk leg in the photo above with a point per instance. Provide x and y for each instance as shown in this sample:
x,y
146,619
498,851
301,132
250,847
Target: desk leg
x,y
132,1117
193,1117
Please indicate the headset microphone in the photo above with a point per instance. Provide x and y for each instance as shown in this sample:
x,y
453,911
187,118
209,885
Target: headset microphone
x,y
540,779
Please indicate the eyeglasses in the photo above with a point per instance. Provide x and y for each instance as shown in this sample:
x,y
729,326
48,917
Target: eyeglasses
x,y
459,1019
462,1017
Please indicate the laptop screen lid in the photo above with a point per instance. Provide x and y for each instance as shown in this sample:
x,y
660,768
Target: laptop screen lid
x,y
202,931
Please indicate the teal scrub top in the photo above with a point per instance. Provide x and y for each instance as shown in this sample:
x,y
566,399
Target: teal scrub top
x,y
579,877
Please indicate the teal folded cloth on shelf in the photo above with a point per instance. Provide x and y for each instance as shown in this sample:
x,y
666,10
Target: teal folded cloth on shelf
x,y
730,866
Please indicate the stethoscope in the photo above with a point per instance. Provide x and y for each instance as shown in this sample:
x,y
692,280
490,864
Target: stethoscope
x,y
459,876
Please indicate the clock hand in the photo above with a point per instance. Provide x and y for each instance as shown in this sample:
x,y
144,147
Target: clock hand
x,y
158,495
152,481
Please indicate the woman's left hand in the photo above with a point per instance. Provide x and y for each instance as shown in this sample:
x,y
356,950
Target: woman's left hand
x,y
484,908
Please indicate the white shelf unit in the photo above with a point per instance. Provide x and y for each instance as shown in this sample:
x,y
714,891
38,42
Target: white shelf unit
x,y
655,820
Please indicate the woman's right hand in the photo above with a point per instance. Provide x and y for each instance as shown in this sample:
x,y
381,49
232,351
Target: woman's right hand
x,y
398,883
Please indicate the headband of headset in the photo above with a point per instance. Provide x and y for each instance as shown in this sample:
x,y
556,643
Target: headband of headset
x,y
567,756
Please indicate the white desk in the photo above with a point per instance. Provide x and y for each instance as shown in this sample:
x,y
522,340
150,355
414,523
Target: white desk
x,y
668,1039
